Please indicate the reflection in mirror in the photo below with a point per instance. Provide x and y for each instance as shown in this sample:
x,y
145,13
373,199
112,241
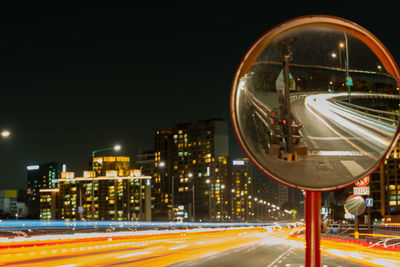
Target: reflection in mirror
x,y
317,108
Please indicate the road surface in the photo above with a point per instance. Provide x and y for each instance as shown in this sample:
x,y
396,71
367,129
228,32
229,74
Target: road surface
x,y
343,143
268,246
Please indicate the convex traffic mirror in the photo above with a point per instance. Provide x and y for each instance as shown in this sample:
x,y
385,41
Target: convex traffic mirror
x,y
315,103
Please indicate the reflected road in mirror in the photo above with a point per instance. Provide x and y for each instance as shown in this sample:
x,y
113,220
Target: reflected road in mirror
x,y
317,108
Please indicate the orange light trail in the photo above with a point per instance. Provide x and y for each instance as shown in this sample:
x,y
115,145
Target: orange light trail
x,y
149,250
162,248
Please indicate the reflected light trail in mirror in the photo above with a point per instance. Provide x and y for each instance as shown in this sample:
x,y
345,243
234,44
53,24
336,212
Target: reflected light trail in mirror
x,y
310,120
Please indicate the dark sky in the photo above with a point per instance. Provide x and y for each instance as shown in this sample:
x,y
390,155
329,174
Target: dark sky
x,y
86,76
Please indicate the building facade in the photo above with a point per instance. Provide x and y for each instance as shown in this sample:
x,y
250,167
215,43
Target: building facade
x,y
112,191
385,188
40,176
192,175
242,190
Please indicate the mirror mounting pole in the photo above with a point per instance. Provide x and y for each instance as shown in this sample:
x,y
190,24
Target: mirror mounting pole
x,y
313,228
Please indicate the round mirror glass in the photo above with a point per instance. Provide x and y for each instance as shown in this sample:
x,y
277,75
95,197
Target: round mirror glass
x,y
315,103
355,205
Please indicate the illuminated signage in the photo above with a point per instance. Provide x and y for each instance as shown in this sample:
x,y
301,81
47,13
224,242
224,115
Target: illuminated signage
x,y
111,173
238,162
88,174
33,167
67,175
137,172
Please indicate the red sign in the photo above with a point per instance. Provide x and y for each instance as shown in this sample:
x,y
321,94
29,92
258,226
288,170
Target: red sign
x,y
363,182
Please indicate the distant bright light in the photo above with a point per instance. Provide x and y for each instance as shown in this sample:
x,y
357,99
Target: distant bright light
x,y
117,147
242,85
5,133
334,55
32,167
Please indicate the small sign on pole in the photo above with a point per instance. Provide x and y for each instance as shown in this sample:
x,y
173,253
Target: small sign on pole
x,y
361,191
280,82
369,202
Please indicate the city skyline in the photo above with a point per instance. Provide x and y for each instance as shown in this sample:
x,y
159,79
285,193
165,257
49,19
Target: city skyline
x,y
82,78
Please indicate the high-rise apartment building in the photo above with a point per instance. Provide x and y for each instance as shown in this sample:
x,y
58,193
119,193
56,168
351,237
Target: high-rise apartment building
x,y
242,190
385,188
192,172
40,176
112,191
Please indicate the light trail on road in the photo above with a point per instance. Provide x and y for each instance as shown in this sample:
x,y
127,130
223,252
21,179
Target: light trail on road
x,y
150,248
168,247
323,108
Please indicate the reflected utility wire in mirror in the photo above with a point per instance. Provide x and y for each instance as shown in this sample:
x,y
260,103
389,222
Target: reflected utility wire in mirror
x,y
315,103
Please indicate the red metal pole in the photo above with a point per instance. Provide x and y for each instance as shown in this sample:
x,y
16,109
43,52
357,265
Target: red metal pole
x,y
313,227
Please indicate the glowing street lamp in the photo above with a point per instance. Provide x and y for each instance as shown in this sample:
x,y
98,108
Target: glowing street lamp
x,y
5,133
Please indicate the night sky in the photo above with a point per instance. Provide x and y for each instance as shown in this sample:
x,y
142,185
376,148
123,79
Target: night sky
x,y
86,76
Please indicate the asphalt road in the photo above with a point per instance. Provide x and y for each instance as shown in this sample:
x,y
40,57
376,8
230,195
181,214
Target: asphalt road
x,y
342,145
268,247
264,255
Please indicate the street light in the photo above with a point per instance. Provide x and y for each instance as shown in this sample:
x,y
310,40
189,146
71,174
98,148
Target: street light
x,y
209,198
232,210
161,165
5,133
190,175
341,46
115,148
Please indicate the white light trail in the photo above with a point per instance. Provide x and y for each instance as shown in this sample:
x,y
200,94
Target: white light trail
x,y
178,247
133,254
319,104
